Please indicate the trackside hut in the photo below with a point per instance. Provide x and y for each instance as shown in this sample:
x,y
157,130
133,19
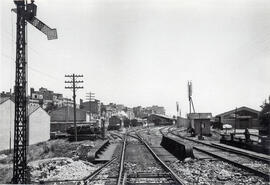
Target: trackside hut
x,y
38,124
200,121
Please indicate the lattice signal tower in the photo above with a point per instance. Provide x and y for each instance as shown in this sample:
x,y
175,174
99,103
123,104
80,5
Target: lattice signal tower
x,y
25,13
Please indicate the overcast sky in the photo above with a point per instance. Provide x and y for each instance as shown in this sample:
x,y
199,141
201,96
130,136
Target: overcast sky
x,y
143,52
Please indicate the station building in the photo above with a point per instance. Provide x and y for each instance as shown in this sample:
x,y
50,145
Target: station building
x,y
38,124
240,118
159,119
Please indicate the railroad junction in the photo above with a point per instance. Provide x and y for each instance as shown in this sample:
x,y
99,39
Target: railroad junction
x,y
48,138
141,155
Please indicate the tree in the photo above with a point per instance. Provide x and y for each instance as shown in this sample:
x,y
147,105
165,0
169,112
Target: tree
x,y
264,117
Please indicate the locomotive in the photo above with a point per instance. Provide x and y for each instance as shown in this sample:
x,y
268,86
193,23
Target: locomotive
x,y
115,123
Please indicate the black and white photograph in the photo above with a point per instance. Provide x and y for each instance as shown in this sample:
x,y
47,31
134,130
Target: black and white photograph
x,y
135,92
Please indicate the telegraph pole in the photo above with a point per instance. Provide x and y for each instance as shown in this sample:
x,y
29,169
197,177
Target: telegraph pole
x,y
89,97
73,86
25,13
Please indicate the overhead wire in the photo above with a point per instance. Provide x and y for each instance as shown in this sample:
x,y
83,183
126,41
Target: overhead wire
x,y
33,69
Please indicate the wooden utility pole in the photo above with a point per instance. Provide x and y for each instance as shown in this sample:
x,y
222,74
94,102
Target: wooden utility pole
x,y
73,86
90,96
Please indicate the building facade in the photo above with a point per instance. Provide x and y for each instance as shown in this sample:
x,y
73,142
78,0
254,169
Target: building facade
x,y
93,107
240,118
200,122
66,114
143,112
38,124
47,99
159,119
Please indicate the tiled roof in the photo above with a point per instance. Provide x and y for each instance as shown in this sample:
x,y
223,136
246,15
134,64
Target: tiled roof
x,y
3,99
238,109
200,115
31,108
162,116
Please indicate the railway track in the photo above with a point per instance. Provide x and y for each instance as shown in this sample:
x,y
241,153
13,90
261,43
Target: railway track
x,y
257,166
177,133
140,165
108,173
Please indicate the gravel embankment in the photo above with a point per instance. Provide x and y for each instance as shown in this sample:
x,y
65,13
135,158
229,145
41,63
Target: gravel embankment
x,y
196,171
59,169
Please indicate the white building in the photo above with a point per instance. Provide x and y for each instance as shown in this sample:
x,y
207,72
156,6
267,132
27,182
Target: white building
x,y
38,124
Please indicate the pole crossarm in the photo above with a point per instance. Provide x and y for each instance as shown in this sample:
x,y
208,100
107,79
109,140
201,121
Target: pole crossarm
x,y
90,96
73,86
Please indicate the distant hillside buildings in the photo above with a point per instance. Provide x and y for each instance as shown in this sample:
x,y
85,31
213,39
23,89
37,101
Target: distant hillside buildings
x,y
47,99
142,112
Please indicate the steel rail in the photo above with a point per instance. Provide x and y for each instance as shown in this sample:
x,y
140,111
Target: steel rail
x,y
96,172
117,135
241,153
121,166
259,173
173,174
223,148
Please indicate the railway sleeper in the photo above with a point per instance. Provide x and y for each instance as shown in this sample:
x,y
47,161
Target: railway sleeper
x,y
149,175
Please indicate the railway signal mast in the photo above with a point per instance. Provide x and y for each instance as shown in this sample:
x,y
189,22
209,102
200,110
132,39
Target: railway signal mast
x,y
178,110
190,97
25,13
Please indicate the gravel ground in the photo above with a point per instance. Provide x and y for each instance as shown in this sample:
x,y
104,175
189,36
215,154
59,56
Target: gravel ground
x,y
246,161
213,172
139,160
48,150
59,169
207,171
107,176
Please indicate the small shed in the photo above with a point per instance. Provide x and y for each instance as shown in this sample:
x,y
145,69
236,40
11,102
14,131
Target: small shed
x,y
200,122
